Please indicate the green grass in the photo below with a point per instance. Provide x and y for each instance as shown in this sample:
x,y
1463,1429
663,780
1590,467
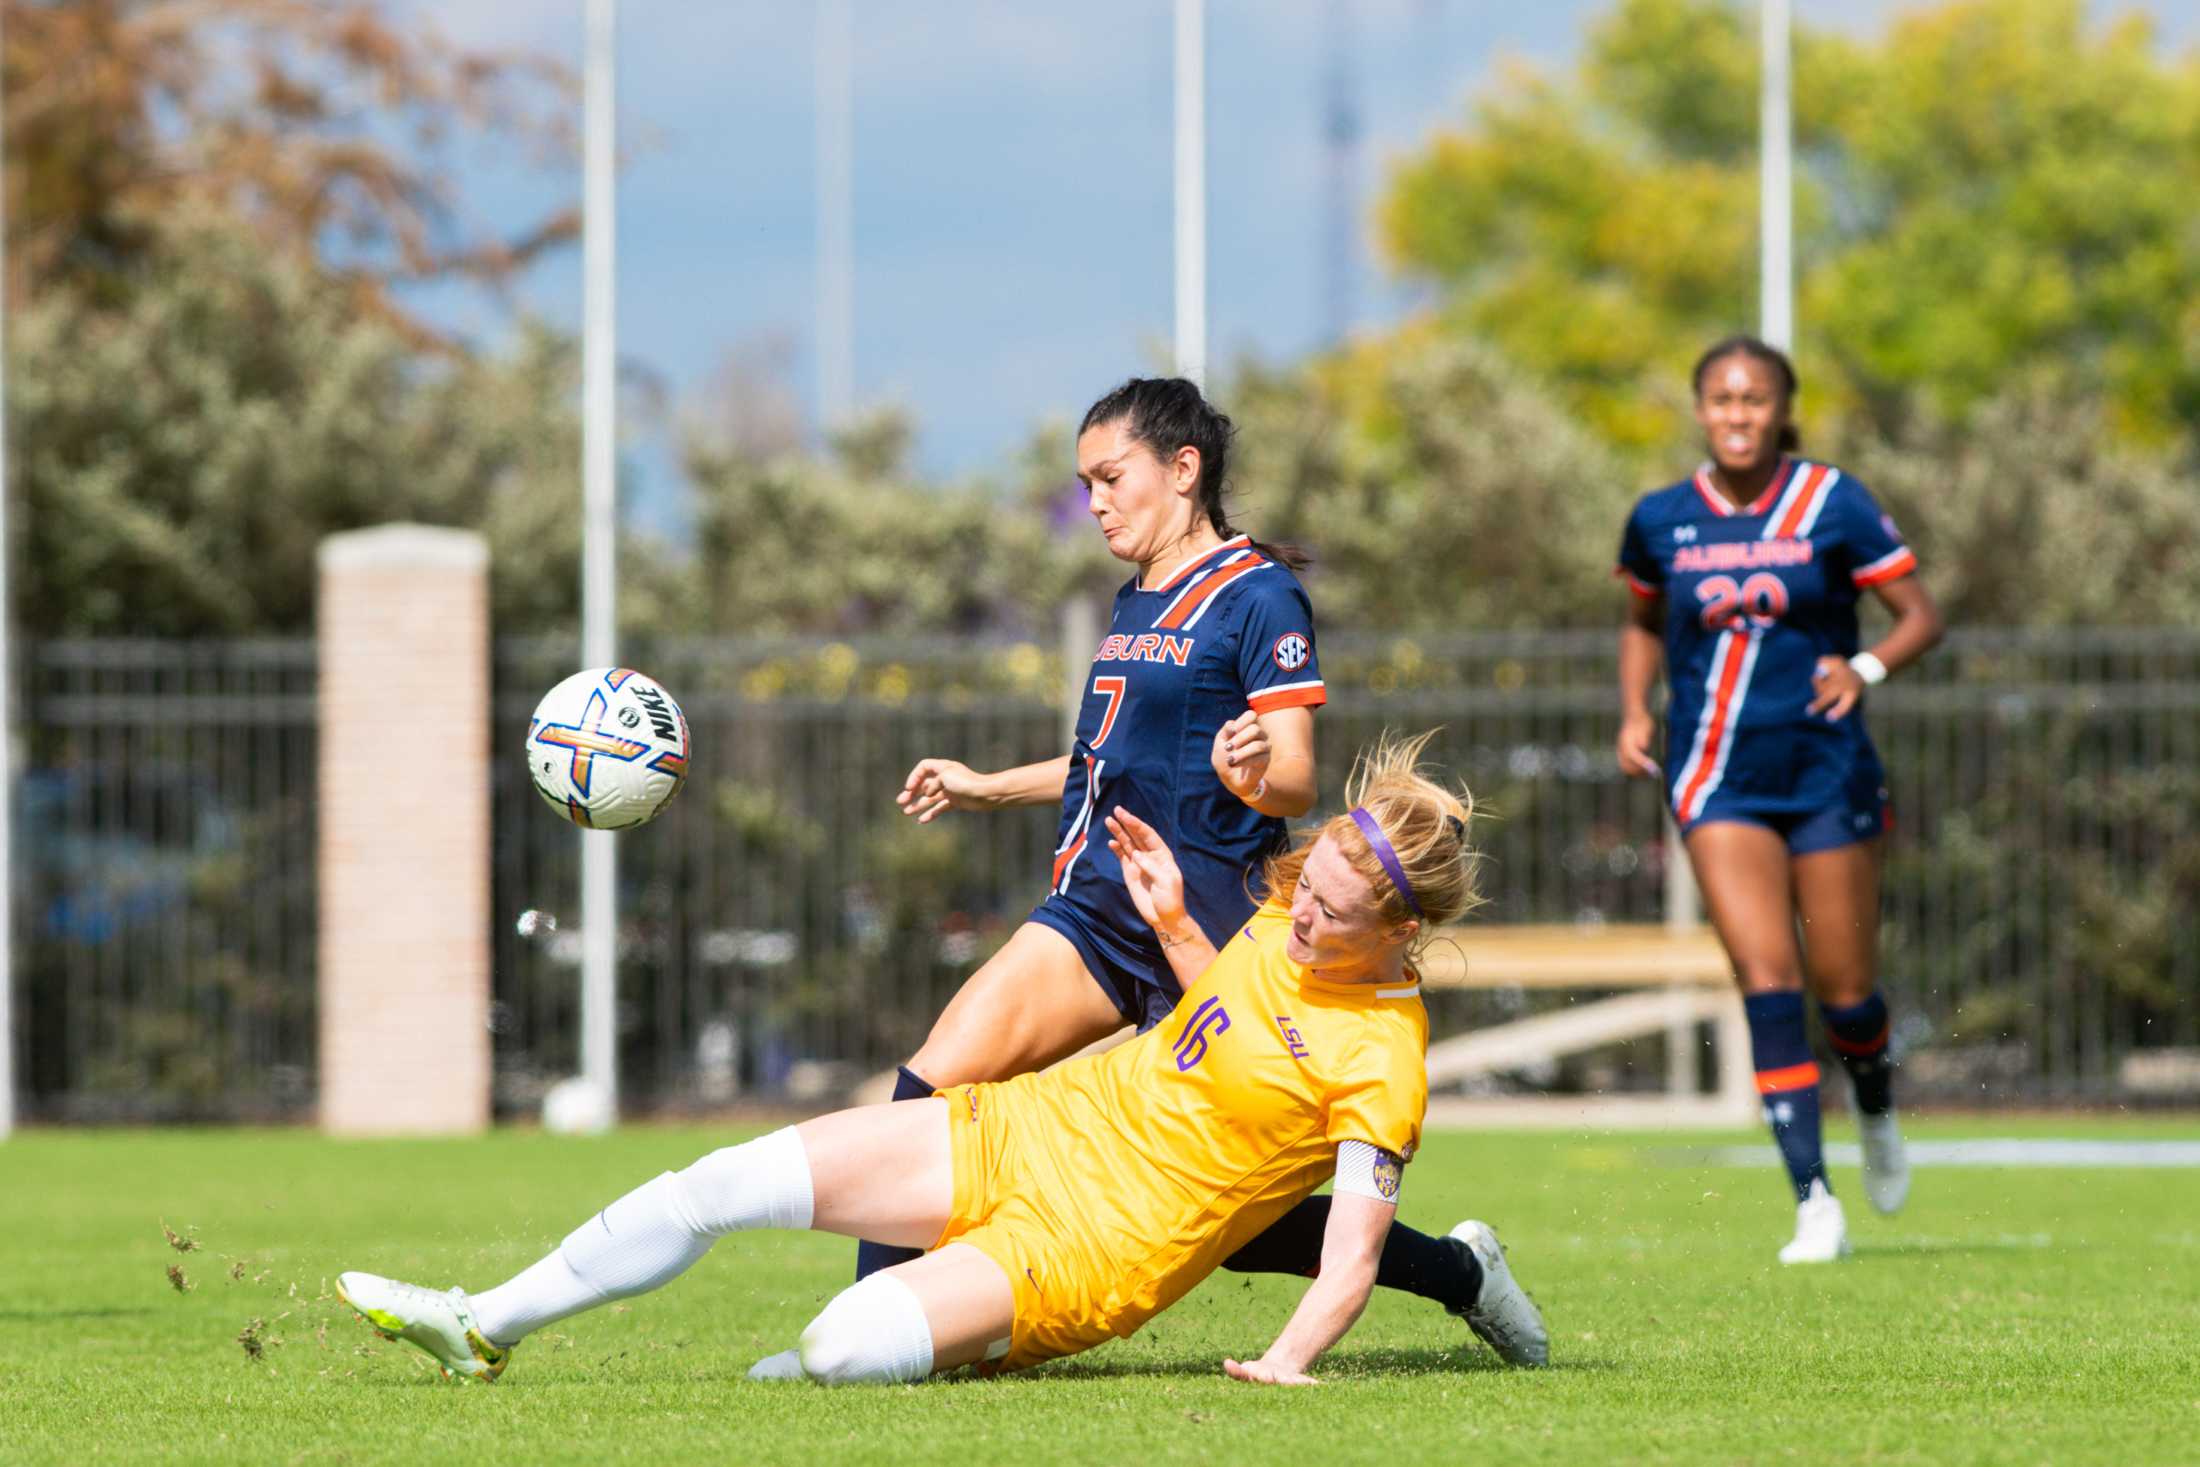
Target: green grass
x,y
2007,1316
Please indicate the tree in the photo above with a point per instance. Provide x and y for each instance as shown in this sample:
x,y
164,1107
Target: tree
x,y
856,543
179,454
314,124
210,205
1987,186
2030,512
1436,487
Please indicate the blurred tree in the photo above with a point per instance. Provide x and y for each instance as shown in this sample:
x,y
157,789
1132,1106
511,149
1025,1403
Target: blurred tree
x,y
1436,486
855,543
211,205
2028,511
180,453
317,124
1986,186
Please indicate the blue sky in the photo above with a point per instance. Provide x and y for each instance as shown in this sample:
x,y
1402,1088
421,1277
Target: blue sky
x,y
1012,189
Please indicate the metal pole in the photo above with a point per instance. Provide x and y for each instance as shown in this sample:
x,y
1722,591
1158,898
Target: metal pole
x,y
1776,164
1191,189
1341,152
835,88
599,588
1080,635
7,729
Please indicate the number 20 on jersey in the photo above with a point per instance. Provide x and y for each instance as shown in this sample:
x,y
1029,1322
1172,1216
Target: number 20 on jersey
x,y
1762,599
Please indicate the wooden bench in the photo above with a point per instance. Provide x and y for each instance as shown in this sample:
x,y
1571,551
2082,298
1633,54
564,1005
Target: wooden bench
x,y
1680,977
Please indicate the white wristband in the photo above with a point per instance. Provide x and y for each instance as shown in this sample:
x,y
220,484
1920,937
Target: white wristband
x,y
1869,668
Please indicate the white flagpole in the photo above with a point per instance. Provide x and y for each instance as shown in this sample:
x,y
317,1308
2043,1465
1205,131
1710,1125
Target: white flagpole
x,y
7,735
1776,162
1191,190
599,588
835,93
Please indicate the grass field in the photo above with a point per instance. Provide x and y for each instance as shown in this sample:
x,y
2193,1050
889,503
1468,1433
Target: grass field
x,y
2007,1316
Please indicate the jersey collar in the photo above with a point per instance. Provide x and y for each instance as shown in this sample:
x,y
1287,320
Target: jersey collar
x,y
1407,986
1723,507
1177,576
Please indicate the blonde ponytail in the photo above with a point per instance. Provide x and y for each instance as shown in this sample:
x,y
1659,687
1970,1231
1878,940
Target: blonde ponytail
x,y
1425,825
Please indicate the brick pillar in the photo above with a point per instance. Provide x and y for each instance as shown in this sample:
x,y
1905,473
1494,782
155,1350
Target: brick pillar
x,y
404,831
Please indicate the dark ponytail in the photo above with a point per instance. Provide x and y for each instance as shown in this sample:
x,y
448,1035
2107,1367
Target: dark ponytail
x,y
1791,437
1168,413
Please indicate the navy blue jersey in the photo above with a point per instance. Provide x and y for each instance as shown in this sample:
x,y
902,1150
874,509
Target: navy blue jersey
x,y
1231,630
1753,598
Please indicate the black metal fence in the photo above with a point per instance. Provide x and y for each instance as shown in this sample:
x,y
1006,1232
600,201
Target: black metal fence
x,y
784,930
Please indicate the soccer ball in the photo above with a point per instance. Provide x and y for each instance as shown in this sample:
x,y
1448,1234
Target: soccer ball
x,y
607,748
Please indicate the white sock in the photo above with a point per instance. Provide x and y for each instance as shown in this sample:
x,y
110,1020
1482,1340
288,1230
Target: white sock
x,y
546,1292
873,1333
763,1183
655,1233
786,1365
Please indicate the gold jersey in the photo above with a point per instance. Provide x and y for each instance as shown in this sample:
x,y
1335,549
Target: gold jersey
x,y
1106,1188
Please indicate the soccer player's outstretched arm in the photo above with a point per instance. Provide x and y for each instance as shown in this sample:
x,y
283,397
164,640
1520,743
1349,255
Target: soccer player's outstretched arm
x,y
1352,1245
936,786
1157,889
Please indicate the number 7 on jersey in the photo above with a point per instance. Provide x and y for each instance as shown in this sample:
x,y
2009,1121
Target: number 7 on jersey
x,y
1113,689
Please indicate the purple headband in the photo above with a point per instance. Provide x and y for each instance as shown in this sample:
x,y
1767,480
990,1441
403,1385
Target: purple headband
x,y
1380,845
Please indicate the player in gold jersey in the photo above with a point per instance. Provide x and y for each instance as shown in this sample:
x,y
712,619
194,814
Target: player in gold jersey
x,y
1070,1206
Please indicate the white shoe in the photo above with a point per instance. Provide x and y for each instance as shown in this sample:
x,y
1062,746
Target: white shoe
x,y
1821,1232
441,1324
1502,1314
1886,1162
786,1365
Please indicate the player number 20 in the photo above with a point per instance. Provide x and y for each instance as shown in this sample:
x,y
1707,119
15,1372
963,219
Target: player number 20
x,y
1763,598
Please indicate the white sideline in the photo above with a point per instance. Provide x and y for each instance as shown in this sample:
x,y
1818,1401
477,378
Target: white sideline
x,y
2012,1151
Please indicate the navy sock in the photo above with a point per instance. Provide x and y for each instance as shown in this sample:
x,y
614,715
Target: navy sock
x,y
1787,1081
871,1257
1434,1268
1858,1035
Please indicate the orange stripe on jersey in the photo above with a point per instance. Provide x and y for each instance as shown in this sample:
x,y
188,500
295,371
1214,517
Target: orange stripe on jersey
x,y
1061,861
1887,568
1636,583
1788,1077
1312,696
1715,731
1814,484
1205,590
1177,576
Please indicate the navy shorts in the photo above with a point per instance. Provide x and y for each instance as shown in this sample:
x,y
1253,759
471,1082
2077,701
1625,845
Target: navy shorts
x,y
1860,813
1137,980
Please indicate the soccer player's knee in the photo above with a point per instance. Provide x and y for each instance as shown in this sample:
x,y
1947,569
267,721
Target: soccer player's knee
x,y
763,1183
872,1333
1760,975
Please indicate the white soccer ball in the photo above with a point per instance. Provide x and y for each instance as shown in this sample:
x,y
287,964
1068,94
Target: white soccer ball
x,y
577,1107
607,748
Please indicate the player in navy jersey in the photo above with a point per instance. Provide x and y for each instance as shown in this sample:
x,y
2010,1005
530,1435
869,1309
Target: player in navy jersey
x,y
1745,579
1198,718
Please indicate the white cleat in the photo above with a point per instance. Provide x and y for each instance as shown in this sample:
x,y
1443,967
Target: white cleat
x,y
1502,1314
1886,1162
1821,1232
786,1365
441,1324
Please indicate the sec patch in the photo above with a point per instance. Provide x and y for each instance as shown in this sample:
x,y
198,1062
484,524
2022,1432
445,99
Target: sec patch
x,y
1293,651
